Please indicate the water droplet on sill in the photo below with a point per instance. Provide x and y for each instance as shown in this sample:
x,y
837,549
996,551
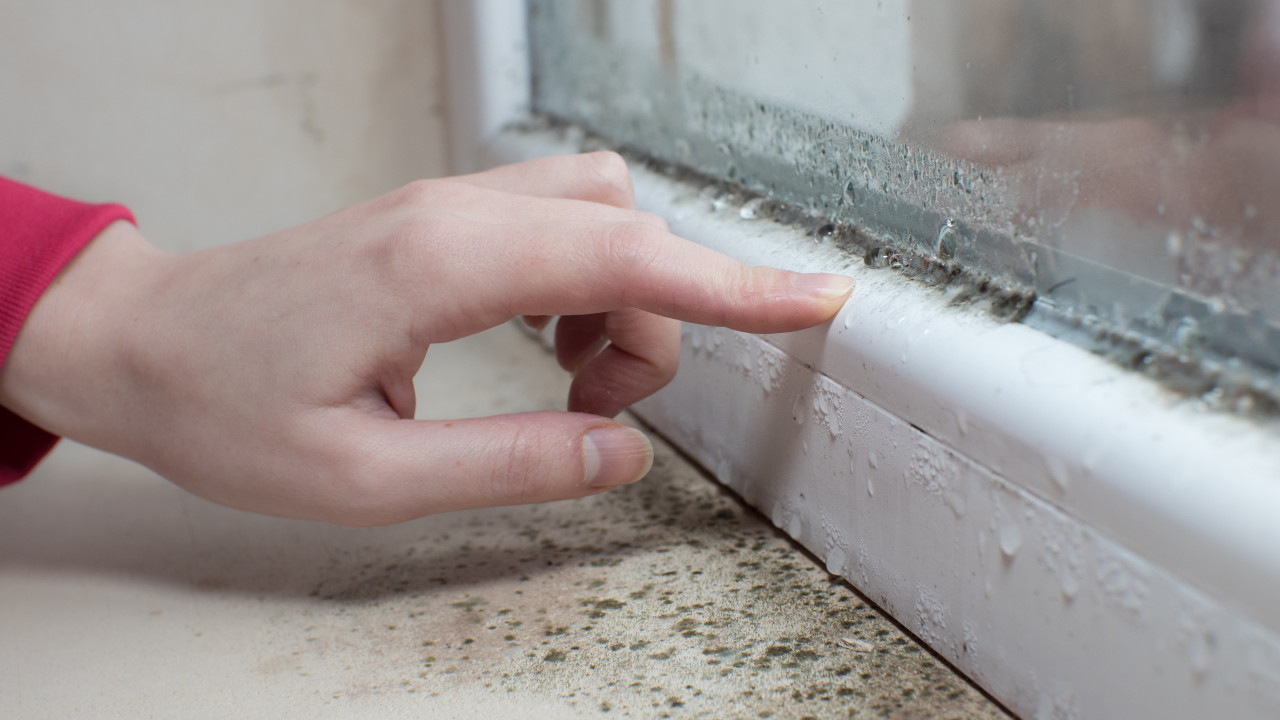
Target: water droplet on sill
x,y
1188,336
836,561
873,459
882,257
752,210
1200,652
850,193
795,526
947,239
1070,585
1059,473
1010,537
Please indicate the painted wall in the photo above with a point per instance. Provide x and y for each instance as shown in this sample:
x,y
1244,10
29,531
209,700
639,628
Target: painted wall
x,y
221,121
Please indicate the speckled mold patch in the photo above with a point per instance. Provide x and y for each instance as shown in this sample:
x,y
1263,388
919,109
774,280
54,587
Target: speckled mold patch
x,y
662,599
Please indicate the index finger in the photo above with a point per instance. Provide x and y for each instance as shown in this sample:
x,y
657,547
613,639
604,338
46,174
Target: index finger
x,y
583,267
600,177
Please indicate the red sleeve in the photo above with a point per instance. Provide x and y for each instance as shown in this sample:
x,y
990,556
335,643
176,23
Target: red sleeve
x,y
39,234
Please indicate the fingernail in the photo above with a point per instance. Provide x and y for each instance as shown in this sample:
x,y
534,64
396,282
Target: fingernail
x,y
824,286
613,456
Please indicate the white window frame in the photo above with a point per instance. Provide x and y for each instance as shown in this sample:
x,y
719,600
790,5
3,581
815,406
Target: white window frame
x,y
1076,539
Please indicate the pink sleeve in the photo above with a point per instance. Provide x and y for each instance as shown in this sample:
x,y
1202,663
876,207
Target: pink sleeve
x,y
39,234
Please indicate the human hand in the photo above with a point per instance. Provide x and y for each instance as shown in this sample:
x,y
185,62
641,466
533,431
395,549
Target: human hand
x,y
276,375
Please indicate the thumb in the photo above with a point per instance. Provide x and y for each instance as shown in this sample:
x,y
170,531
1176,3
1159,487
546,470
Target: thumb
x,y
421,467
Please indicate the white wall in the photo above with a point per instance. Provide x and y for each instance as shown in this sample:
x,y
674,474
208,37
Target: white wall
x,y
219,121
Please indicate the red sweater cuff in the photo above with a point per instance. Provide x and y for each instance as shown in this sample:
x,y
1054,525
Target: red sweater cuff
x,y
39,234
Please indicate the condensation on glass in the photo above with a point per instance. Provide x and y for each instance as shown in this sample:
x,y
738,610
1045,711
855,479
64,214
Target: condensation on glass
x,y
1120,158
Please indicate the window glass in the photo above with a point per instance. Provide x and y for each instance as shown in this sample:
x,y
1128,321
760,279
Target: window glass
x,y
1118,161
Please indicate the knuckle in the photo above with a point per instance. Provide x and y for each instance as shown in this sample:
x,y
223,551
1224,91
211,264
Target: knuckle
x,y
633,246
655,220
357,482
414,194
357,493
610,173
419,195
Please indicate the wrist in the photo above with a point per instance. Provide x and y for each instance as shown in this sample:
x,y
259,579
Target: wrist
x,y
61,372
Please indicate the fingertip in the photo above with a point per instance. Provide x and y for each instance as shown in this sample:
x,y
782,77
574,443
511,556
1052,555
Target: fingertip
x,y
826,287
615,455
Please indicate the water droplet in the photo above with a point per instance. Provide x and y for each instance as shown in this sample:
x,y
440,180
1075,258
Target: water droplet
x,y
871,488
1199,652
777,515
1010,537
724,472
873,459
1173,244
947,239
797,410
804,445
836,560
1059,473
795,526
752,209
848,320
883,256
1188,336
684,151
1070,584
850,193
824,233
962,422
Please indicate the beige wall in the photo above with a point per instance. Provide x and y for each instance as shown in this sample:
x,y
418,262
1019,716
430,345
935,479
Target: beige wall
x,y
219,121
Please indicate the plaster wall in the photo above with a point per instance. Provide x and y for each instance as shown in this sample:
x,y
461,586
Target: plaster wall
x,y
217,122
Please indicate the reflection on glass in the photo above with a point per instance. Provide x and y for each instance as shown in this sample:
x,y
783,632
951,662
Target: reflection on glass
x,y
1120,157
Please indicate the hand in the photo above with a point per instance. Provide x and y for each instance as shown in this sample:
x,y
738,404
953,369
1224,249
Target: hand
x,y
276,375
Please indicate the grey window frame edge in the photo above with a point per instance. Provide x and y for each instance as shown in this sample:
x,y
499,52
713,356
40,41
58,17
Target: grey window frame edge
x,y
1184,507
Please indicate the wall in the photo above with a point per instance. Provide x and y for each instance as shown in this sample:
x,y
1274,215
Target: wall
x,y
221,121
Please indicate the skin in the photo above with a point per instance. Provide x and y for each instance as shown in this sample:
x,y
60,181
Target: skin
x,y
276,375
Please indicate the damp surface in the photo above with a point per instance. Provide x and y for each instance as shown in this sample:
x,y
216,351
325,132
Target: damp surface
x,y
667,598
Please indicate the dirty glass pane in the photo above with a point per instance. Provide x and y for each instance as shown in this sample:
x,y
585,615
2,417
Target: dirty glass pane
x,y
1117,160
